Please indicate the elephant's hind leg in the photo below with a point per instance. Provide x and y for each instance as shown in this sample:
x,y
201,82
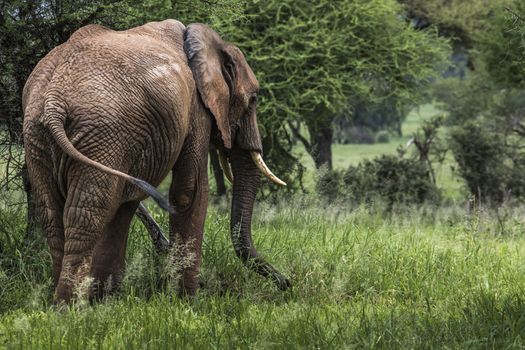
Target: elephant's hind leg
x,y
91,203
110,251
48,202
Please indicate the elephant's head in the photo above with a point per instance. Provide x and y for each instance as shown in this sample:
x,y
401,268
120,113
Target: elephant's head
x,y
228,88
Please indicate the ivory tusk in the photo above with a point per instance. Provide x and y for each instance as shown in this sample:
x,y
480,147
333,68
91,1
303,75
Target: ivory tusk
x,y
225,165
257,158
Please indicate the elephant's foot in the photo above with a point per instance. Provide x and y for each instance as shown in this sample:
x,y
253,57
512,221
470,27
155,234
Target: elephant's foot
x,y
75,281
189,283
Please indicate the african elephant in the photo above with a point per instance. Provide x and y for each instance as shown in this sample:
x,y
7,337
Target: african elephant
x,y
108,114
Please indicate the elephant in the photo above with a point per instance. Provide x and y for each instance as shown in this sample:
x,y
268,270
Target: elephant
x,y
108,114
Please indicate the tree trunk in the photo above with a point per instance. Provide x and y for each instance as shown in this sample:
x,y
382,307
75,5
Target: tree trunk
x,y
321,137
217,172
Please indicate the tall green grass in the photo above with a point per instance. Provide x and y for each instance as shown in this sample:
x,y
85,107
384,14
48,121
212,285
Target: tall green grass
x,y
417,278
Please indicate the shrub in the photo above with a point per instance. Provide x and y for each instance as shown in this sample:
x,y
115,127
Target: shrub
x,y
388,178
492,170
383,137
391,178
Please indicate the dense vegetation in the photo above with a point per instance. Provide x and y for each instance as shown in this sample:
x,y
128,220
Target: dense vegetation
x,y
413,240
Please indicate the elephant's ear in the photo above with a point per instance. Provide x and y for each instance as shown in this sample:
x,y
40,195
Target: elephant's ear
x,y
213,70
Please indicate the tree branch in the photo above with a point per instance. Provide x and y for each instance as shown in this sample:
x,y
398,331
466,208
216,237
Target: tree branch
x,y
300,137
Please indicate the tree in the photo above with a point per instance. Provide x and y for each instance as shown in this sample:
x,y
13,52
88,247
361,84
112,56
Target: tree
x,y
311,59
486,111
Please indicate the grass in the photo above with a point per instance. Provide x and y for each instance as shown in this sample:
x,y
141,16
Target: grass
x,y
421,278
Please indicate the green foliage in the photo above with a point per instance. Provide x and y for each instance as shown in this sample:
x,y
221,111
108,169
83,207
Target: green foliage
x,y
486,110
386,179
502,47
209,12
460,20
303,56
486,136
487,139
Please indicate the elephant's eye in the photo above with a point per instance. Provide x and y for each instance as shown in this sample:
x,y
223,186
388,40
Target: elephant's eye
x,y
253,99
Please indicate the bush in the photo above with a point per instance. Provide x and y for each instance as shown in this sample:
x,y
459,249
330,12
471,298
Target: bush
x,y
383,137
329,184
391,178
492,170
360,135
388,178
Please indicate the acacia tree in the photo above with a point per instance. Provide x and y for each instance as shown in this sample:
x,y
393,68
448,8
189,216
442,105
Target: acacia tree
x,y
311,59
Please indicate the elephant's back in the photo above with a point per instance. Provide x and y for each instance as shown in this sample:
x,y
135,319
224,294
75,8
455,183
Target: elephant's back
x,y
119,82
140,44
128,91
124,71
137,49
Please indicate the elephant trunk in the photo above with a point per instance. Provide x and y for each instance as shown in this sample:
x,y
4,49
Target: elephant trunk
x,y
246,182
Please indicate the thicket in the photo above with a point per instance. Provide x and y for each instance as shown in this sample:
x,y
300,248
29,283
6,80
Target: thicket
x,y
486,110
406,178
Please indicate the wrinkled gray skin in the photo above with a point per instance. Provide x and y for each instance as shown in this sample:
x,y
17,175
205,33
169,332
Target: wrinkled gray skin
x,y
106,114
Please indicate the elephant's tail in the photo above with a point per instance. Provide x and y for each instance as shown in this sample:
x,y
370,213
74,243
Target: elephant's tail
x,y
56,127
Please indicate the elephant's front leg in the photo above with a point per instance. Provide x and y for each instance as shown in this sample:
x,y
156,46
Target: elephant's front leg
x,y
189,196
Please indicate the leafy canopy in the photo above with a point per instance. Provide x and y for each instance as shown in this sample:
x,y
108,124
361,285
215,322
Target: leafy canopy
x,y
306,54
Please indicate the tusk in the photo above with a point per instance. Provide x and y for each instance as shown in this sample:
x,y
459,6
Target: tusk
x,y
257,158
225,165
